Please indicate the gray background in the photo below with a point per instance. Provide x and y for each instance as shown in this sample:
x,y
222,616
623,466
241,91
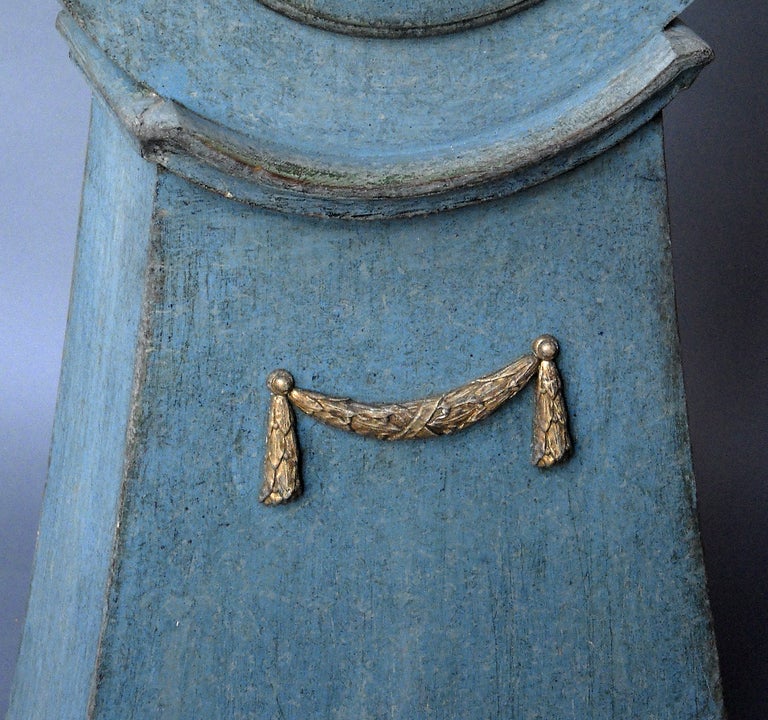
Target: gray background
x,y
717,156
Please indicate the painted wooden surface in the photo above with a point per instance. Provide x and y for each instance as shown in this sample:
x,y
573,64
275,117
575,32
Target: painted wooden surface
x,y
429,579
356,127
383,18
444,579
309,90
75,553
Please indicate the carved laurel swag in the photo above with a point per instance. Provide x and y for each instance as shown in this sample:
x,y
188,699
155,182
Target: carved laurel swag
x,y
429,417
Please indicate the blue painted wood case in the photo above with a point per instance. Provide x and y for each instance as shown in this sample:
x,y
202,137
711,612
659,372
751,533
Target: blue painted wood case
x,y
381,258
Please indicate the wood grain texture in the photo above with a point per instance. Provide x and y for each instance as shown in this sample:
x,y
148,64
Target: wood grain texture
x,y
406,577
94,432
438,581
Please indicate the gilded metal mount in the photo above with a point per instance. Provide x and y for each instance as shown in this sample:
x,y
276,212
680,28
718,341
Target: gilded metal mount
x,y
429,417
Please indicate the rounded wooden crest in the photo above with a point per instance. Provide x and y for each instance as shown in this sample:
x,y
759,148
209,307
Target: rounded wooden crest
x,y
389,18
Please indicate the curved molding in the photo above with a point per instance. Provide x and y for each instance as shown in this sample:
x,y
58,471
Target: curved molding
x,y
381,28
524,153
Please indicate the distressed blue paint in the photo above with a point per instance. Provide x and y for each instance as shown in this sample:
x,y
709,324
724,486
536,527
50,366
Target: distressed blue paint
x,y
56,668
392,19
445,579
489,163
310,90
304,113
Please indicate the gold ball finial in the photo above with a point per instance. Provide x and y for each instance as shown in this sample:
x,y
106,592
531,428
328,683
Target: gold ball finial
x,y
545,347
280,382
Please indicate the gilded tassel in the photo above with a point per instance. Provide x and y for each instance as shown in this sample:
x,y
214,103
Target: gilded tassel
x,y
551,440
282,481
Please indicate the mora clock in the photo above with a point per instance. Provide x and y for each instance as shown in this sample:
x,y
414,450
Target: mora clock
x,y
379,200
